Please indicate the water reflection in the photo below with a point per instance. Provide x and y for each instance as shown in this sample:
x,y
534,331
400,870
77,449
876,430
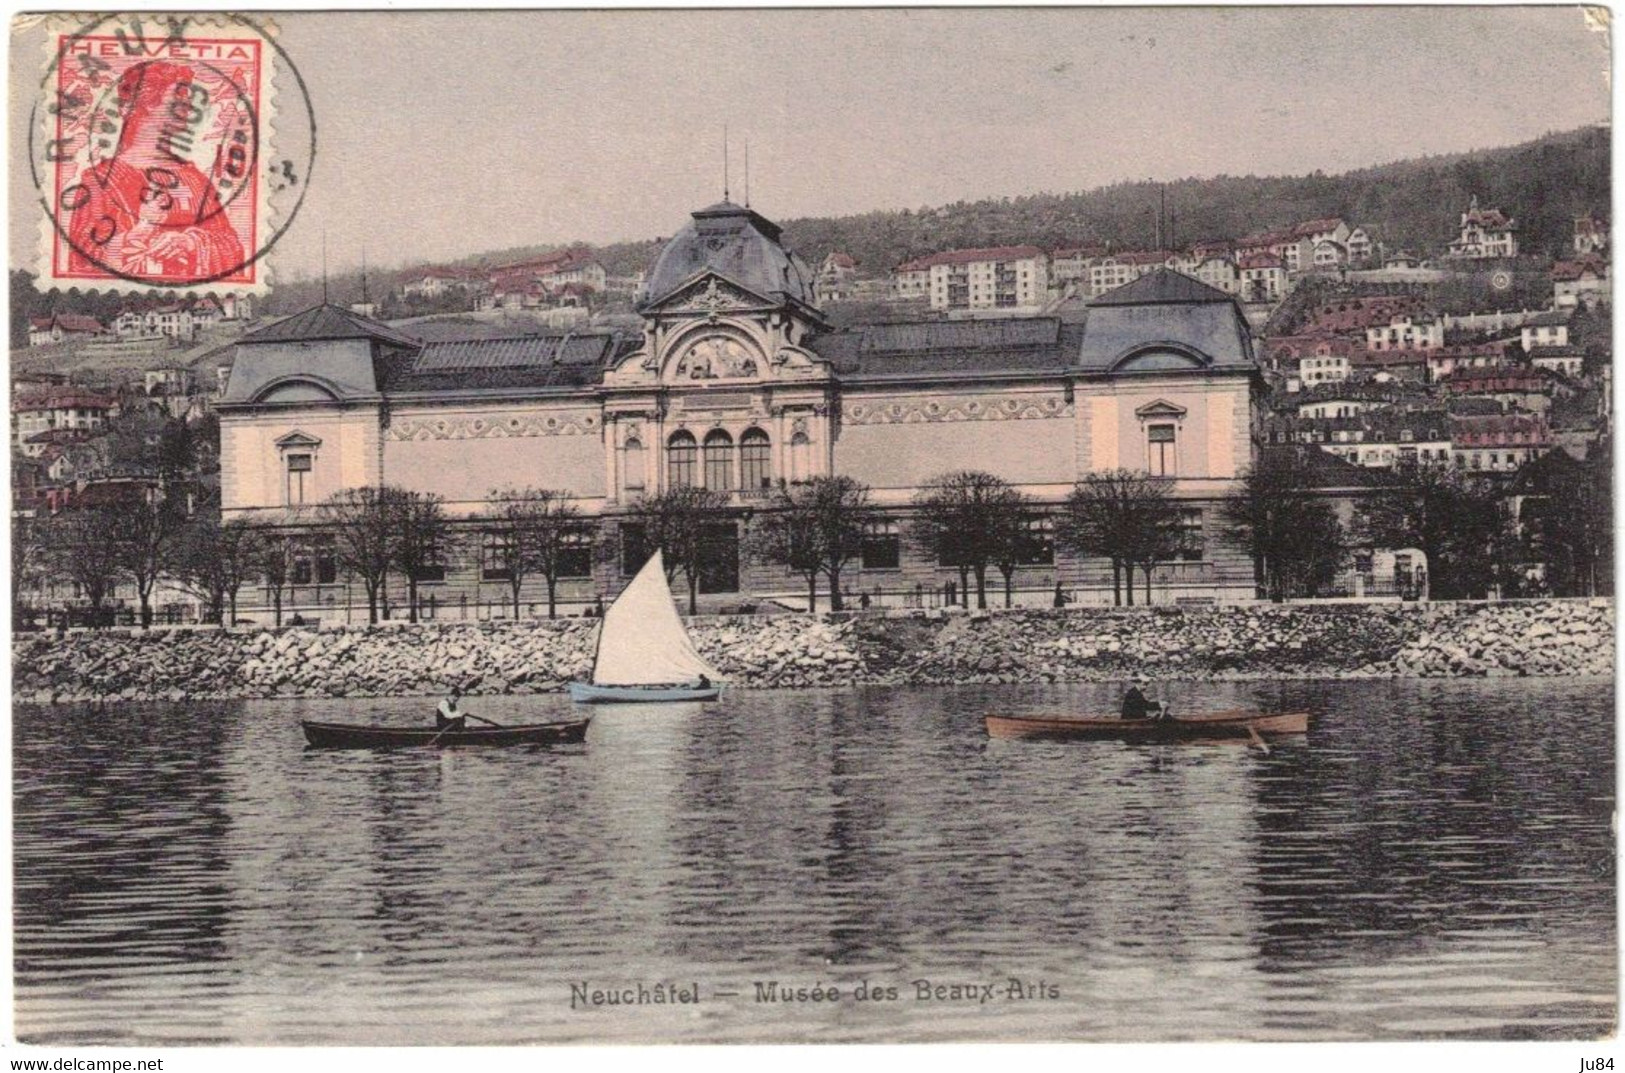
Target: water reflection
x,y
130,848
1432,860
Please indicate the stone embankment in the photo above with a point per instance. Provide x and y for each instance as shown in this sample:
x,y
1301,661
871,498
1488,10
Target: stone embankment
x,y
1559,638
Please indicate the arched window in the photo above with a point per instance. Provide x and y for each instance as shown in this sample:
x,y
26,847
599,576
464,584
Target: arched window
x,y
719,461
755,461
800,457
632,465
681,460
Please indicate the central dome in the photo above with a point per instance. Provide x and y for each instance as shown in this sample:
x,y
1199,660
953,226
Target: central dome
x,y
735,242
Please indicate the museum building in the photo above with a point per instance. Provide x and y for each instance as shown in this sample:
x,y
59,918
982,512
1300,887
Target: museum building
x,y
738,382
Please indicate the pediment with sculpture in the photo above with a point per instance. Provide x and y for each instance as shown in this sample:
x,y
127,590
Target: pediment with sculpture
x,y
713,331
713,295
715,357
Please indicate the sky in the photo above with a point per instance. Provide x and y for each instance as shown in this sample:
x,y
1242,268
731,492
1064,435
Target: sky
x,y
452,133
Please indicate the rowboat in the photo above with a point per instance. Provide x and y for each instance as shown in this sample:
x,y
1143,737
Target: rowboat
x,y
1204,726
643,654
350,736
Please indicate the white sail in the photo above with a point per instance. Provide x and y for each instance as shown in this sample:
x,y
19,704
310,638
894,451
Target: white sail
x,y
642,641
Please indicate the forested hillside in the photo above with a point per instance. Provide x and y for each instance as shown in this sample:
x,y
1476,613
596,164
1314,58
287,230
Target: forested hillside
x,y
1412,204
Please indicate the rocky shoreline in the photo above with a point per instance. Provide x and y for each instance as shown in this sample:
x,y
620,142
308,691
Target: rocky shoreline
x,y
1522,639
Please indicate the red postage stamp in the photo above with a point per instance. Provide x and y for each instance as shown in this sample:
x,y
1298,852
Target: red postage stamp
x,y
150,144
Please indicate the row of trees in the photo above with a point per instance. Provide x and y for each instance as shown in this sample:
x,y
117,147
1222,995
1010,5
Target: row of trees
x,y
1478,535
975,522
972,522
370,533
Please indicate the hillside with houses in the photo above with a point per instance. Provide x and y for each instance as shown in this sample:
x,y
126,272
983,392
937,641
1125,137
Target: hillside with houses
x,y
1455,311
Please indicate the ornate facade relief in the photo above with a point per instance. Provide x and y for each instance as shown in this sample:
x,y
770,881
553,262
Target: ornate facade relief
x,y
712,296
493,426
954,408
716,357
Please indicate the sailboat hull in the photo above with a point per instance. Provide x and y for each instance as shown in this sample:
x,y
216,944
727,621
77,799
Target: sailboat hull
x,y
587,693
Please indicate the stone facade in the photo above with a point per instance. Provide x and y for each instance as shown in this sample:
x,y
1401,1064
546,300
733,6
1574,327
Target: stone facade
x,y
736,381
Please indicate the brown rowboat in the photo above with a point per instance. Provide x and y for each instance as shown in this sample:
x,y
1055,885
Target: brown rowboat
x,y
1204,726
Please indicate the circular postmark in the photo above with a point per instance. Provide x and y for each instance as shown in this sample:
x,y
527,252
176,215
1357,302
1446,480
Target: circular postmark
x,y
151,147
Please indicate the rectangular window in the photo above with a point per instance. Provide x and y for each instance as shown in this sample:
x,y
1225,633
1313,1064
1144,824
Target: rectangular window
x,y
1191,545
882,547
433,567
1038,543
575,558
1160,450
327,567
302,572
634,548
719,558
298,476
494,557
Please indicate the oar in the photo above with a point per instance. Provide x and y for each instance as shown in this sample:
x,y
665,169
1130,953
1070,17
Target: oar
x,y
1252,732
436,739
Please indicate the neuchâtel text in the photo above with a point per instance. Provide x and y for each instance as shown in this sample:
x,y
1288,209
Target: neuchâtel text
x,y
582,996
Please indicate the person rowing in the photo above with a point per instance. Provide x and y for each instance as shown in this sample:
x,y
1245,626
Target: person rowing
x,y
448,716
1136,705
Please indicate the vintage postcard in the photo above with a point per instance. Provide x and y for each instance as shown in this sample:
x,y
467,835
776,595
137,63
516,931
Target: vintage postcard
x,y
1012,525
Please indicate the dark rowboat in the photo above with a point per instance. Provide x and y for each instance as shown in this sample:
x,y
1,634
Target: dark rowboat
x,y
1203,727
349,736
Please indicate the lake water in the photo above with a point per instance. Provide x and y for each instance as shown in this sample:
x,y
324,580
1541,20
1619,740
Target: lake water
x,y
1433,860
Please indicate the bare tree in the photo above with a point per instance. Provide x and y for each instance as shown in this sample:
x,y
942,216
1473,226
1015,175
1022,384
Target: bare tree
x,y
272,562
1453,516
506,532
420,539
1156,537
213,560
27,558
1013,544
961,520
1124,516
678,522
150,526
815,528
1568,518
364,523
1295,540
537,530
84,543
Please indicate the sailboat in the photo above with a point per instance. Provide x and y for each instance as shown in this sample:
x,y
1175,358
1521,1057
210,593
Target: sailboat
x,y
643,653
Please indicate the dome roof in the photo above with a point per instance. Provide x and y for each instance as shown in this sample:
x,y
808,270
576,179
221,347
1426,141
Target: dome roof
x,y
735,242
